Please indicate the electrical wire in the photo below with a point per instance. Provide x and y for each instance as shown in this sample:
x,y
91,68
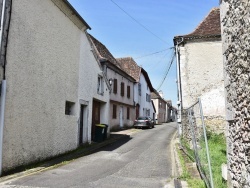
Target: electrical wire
x,y
170,64
153,53
138,22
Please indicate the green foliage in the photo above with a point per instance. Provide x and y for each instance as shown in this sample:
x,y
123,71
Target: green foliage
x,y
217,151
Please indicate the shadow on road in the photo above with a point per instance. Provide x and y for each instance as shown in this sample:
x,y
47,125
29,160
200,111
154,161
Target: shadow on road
x,y
123,139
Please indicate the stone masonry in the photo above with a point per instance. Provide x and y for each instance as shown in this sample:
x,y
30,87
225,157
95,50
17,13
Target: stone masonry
x,y
235,22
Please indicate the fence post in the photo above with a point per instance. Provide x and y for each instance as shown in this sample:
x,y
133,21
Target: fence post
x,y
205,136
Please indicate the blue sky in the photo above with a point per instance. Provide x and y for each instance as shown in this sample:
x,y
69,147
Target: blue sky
x,y
126,38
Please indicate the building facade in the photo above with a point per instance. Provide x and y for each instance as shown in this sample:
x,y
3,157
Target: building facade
x,y
122,109
200,68
54,83
142,87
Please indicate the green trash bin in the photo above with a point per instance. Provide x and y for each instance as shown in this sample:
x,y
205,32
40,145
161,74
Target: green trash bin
x,y
99,132
105,131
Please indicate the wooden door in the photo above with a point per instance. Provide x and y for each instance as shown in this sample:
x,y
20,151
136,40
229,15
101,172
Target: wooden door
x,y
95,117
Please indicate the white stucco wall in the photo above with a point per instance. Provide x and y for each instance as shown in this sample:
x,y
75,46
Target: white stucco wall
x,y
141,99
201,68
88,77
42,74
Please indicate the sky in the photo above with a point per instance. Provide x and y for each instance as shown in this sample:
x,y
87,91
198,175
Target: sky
x,y
144,30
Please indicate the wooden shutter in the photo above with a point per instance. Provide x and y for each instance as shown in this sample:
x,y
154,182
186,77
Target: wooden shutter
x,y
128,112
114,111
115,86
128,91
122,89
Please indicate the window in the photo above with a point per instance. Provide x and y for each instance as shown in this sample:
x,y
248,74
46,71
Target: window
x,y
148,98
115,86
122,89
128,112
147,112
139,89
69,108
114,111
128,91
100,85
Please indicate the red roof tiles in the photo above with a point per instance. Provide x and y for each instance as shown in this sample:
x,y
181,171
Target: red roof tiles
x,y
209,27
129,65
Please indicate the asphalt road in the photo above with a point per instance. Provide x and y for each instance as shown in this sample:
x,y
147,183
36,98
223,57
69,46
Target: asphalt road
x,y
142,160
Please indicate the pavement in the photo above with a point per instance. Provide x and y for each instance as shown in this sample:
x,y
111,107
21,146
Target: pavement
x,y
93,147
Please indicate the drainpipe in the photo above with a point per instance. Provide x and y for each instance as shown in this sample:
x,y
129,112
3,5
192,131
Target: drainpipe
x,y
179,102
3,92
3,96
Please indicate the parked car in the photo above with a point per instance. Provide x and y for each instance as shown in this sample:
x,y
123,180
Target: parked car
x,y
144,122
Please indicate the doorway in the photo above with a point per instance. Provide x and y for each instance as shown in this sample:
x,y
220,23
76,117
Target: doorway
x,y
137,110
95,117
121,116
83,128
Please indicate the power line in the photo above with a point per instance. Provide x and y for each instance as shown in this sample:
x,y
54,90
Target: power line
x,y
170,64
138,22
153,53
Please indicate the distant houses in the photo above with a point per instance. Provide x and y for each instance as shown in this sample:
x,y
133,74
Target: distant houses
x,y
58,82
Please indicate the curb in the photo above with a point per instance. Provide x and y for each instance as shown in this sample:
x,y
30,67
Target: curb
x,y
177,169
67,158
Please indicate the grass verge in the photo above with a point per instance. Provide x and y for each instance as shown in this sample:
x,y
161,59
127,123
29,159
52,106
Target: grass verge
x,y
186,174
217,151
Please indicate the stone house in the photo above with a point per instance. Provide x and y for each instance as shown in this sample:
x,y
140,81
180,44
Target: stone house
x,y
200,70
142,87
236,54
122,109
49,82
160,106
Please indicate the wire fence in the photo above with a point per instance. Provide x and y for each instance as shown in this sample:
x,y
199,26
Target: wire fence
x,y
194,140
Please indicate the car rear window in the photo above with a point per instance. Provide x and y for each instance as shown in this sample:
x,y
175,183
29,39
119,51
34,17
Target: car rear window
x,y
142,118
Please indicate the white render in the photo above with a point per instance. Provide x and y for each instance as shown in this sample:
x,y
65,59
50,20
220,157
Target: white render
x,y
201,69
45,48
141,99
89,71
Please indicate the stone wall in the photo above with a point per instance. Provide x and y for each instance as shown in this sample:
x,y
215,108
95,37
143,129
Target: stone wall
x,y
235,18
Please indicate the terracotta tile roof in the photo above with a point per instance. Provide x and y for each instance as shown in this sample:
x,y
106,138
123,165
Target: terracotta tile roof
x,y
103,52
210,26
129,65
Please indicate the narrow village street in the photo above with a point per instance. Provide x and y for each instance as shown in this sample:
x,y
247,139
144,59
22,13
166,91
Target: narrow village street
x,y
144,160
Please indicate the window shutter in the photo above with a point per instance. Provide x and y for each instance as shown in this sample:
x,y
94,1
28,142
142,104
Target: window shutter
x,y
115,86
128,111
122,89
114,111
128,91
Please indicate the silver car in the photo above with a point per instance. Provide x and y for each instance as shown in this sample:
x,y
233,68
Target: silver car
x,y
144,121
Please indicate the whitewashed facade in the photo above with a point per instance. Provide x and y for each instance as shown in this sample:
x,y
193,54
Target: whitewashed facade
x,y
52,79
